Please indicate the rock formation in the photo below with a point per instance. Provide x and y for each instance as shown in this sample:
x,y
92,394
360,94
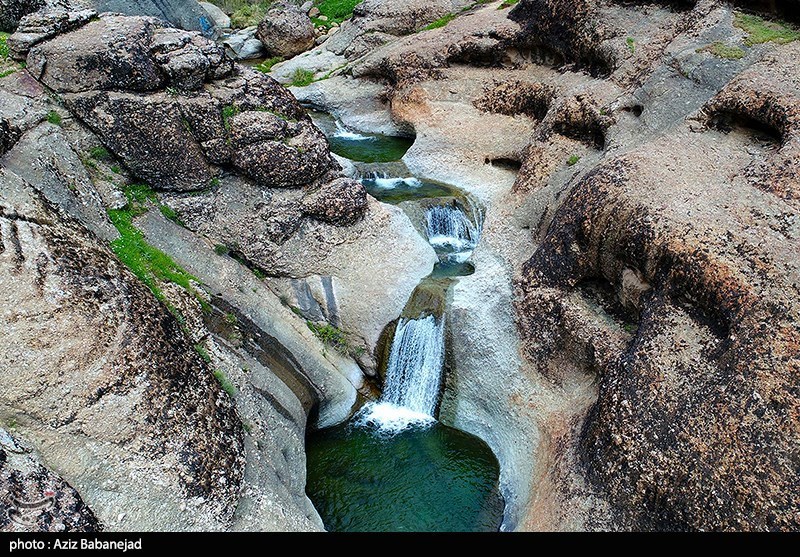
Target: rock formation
x,y
640,237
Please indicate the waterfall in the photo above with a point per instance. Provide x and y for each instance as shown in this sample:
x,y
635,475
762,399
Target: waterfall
x,y
413,377
383,181
450,230
343,133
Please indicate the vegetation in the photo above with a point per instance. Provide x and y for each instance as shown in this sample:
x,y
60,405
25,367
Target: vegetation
x,y
573,160
201,350
441,22
148,263
222,249
4,52
335,338
266,65
302,77
335,10
6,73
631,44
99,153
230,319
760,30
248,15
224,382
722,50
116,169
507,4
54,117
228,112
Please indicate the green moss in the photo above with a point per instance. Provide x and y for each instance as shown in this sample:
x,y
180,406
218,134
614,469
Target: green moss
x,y
54,117
266,65
760,30
631,42
224,382
573,160
336,10
6,73
722,50
441,22
507,4
248,15
302,77
222,249
260,275
230,319
201,350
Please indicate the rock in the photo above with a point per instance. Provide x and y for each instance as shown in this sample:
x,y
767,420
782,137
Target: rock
x,y
275,152
322,17
149,135
313,12
286,31
219,17
342,201
252,48
34,498
145,414
39,26
11,11
185,14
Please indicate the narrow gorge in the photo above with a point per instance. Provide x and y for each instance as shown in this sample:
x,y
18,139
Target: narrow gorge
x,y
396,265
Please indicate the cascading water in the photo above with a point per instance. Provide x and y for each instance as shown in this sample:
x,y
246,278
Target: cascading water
x,y
393,466
413,377
451,232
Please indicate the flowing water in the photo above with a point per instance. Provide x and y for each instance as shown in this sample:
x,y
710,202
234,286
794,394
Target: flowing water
x,y
393,466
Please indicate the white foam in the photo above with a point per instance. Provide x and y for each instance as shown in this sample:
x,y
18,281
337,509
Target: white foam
x,y
391,419
343,133
391,183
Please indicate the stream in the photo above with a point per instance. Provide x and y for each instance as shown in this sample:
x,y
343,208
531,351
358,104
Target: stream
x,y
393,466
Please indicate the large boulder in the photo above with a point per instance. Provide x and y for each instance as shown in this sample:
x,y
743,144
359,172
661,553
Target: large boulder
x,y
286,31
219,17
185,14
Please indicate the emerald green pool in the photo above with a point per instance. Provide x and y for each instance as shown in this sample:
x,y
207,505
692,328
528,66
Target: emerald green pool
x,y
362,147
426,478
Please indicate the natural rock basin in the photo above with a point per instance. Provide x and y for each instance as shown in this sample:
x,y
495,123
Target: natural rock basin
x,y
425,478
393,466
363,147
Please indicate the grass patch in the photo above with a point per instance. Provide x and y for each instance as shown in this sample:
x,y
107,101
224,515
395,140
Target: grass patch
x,y
4,52
170,214
335,338
722,50
260,275
201,350
266,65
573,160
760,30
7,73
116,169
336,10
222,249
228,112
302,78
224,382
148,263
230,319
54,118
99,153
248,15
441,22
507,4
631,42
